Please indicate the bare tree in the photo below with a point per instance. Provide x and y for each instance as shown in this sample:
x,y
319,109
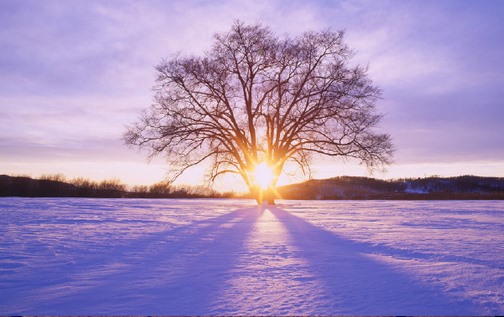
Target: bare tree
x,y
256,101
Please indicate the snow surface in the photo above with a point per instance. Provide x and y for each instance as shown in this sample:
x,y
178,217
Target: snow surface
x,y
227,257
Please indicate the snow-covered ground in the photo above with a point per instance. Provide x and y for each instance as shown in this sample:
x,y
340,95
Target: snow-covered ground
x,y
226,257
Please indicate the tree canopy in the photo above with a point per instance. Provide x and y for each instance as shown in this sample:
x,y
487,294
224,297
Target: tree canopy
x,y
257,99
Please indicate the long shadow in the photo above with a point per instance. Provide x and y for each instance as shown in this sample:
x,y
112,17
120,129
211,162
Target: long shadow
x,y
355,283
184,270
177,272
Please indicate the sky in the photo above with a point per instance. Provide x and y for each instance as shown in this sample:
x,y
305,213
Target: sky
x,y
74,74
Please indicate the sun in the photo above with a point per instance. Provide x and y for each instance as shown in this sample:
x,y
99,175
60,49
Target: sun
x,y
263,175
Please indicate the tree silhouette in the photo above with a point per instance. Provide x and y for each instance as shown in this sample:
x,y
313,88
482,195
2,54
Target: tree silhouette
x,y
257,99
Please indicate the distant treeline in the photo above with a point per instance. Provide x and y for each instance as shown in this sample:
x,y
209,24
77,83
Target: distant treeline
x,y
58,186
429,188
338,188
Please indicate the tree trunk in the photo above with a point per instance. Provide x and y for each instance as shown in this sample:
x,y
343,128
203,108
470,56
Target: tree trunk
x,y
269,196
263,195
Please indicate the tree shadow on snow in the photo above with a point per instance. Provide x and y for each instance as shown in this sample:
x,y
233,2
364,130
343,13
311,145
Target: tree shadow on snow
x,y
175,272
355,283
186,270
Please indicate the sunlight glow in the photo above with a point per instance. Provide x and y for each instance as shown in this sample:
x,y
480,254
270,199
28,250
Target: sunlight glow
x,y
263,175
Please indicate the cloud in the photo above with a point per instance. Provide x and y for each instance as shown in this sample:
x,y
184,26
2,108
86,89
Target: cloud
x,y
72,74
439,65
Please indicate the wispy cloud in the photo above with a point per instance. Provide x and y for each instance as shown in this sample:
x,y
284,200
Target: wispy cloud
x,y
72,74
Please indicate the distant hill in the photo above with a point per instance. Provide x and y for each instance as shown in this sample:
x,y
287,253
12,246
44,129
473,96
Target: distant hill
x,y
346,187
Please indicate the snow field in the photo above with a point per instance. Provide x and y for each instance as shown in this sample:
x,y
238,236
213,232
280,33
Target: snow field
x,y
228,257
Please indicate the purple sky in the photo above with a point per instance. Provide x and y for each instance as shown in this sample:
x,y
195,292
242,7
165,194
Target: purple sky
x,y
74,73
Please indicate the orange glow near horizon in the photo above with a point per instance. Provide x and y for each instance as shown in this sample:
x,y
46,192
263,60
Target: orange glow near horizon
x,y
140,173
